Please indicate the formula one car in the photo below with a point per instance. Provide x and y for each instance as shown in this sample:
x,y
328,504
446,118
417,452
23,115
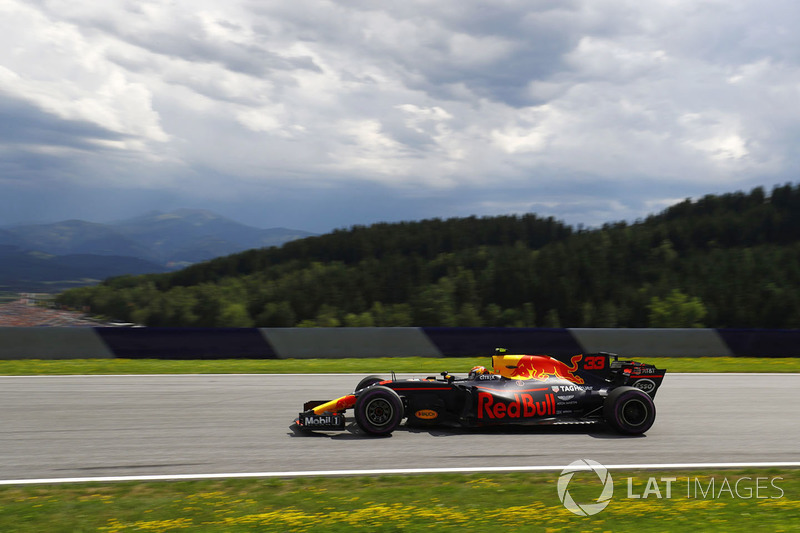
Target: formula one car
x,y
520,389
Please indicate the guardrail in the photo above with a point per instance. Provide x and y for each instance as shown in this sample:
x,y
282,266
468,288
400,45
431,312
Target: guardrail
x,y
307,343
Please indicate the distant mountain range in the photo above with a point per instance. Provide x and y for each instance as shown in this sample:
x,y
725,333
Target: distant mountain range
x,y
50,257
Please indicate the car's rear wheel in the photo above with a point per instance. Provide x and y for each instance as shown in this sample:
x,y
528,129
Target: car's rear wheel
x,y
367,381
629,410
379,410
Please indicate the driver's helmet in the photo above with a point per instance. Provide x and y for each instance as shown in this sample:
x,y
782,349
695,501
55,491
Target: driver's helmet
x,y
478,371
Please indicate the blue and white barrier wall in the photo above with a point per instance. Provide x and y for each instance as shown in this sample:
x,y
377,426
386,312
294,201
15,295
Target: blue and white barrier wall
x,y
308,343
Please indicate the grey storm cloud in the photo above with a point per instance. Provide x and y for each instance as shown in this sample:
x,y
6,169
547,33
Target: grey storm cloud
x,y
324,113
25,125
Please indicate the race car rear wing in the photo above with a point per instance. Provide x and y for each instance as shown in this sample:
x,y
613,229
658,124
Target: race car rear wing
x,y
643,376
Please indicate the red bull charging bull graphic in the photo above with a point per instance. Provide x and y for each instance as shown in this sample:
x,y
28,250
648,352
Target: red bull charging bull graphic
x,y
538,367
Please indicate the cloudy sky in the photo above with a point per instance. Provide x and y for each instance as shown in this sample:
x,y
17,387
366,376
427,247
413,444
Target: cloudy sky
x,y
318,114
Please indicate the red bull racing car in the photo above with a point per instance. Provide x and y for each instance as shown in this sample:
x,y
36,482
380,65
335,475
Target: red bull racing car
x,y
520,389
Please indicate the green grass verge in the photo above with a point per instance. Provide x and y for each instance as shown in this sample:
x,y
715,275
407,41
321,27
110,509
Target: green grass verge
x,y
355,366
477,502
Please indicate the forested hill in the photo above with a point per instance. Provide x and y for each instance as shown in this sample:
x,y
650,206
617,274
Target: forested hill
x,y
721,261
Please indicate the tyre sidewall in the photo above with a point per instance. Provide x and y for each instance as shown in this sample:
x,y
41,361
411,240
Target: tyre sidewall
x,y
388,399
367,381
615,404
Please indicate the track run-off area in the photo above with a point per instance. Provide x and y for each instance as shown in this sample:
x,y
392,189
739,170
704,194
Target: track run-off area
x,y
80,428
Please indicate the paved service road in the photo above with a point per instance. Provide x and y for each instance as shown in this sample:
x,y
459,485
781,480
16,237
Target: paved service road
x,y
90,426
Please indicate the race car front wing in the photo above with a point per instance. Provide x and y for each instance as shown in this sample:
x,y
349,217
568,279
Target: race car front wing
x,y
324,422
325,415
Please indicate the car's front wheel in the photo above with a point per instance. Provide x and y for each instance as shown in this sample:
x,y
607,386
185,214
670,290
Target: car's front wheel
x,y
367,381
379,410
629,410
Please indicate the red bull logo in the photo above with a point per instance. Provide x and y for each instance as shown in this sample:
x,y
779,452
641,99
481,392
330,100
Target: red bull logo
x,y
523,406
538,367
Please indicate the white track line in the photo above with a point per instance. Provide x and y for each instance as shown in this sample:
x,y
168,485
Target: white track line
x,y
397,471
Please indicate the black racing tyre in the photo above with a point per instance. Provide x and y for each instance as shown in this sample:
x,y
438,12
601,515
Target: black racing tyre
x,y
629,410
378,410
367,381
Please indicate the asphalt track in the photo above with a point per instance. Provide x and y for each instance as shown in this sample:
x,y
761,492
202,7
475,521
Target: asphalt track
x,y
95,426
